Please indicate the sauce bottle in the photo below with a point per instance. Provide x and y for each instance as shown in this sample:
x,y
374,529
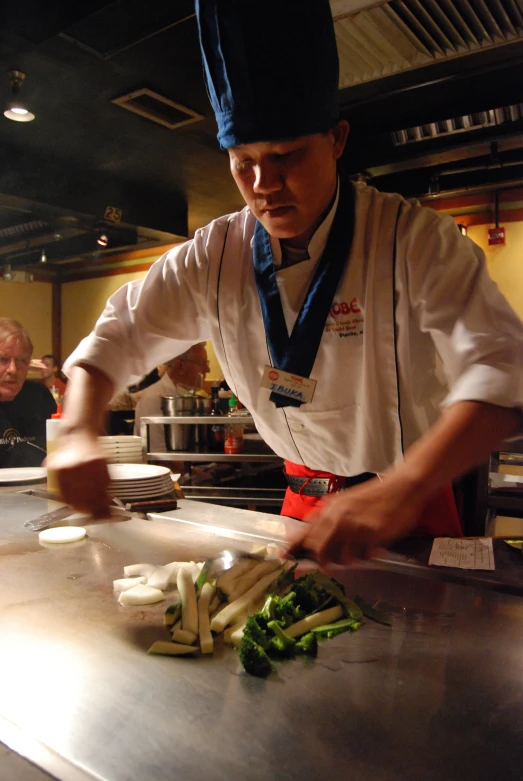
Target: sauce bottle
x,y
216,430
52,428
233,442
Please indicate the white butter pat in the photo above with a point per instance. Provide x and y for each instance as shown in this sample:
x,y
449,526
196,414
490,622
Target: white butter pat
x,y
62,534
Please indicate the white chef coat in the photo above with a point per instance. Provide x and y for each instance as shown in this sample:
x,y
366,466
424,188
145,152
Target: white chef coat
x,y
414,290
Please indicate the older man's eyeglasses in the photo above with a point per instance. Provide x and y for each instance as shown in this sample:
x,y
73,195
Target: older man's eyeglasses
x,y
20,363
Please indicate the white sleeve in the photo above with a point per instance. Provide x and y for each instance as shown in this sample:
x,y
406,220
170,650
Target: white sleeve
x,y
477,334
150,321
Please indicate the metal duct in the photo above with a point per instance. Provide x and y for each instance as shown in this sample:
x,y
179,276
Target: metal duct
x,y
405,34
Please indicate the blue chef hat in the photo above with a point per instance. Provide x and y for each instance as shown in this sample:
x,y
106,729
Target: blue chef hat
x,y
271,68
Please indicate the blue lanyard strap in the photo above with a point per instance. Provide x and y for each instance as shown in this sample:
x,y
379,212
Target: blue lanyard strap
x,y
296,353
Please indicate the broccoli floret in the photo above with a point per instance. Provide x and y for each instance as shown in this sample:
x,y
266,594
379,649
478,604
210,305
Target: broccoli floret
x,y
287,611
282,609
281,643
331,630
308,645
267,611
254,659
306,596
255,628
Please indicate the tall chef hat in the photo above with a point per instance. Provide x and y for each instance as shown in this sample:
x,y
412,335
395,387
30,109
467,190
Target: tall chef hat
x,y
271,68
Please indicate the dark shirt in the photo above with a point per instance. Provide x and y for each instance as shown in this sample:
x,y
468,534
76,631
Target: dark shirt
x,y
145,382
22,426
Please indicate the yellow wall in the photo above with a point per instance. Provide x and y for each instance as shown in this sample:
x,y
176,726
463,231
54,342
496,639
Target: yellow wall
x,y
83,302
31,304
504,263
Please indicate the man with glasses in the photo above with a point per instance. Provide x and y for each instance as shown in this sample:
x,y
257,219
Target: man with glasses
x,y
24,405
182,375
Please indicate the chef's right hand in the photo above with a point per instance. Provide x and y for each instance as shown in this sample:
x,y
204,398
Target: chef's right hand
x,y
81,471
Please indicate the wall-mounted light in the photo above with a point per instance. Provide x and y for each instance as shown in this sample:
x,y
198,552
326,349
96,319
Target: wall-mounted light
x,y
16,108
102,240
8,275
463,228
43,257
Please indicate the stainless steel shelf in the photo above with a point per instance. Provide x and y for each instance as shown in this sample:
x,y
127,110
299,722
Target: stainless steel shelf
x,y
235,496
174,455
251,453
223,420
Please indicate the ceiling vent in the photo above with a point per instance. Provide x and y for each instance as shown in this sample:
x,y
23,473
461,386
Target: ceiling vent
x,y
22,230
157,108
404,34
448,127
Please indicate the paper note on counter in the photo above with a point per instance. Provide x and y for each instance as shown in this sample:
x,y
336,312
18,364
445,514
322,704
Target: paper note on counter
x,y
464,554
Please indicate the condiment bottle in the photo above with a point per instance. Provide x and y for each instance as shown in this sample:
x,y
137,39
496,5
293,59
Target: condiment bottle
x,y
233,442
52,428
216,430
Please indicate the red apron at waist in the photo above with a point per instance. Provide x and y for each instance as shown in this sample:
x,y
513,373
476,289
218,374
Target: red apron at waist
x,y
440,516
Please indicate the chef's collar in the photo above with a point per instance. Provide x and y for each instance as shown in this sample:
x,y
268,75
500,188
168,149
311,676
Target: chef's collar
x,y
318,240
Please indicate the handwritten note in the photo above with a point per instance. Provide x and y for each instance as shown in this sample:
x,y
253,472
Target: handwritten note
x,y
464,554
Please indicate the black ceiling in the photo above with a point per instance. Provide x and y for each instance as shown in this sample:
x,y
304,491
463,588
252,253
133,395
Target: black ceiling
x,y
83,153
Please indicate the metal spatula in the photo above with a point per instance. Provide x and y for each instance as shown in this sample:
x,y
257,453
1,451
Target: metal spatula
x,y
228,558
47,519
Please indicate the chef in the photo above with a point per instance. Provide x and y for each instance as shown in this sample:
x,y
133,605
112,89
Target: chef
x,y
361,330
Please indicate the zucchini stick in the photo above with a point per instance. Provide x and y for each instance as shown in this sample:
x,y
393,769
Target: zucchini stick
x,y
231,611
225,581
206,638
172,614
243,584
171,649
187,591
183,636
313,620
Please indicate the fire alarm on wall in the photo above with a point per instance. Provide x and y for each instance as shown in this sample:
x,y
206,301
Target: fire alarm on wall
x,y
496,236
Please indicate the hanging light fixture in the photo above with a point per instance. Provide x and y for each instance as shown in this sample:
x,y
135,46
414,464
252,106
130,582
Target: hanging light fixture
x,y
15,108
43,256
8,275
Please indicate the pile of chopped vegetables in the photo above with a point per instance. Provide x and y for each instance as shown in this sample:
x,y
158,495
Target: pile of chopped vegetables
x,y
258,606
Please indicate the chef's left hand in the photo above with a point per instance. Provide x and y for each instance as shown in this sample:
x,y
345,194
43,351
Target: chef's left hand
x,y
352,524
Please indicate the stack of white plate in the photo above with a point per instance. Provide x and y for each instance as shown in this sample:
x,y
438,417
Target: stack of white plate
x,y
122,449
139,481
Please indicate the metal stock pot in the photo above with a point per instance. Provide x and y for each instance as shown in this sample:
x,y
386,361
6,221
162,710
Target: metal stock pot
x,y
179,436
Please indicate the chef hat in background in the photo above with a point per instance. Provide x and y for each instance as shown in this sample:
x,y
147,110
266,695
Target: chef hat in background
x,y
271,68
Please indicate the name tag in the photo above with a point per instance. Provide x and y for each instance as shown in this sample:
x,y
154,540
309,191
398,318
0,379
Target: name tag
x,y
289,385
